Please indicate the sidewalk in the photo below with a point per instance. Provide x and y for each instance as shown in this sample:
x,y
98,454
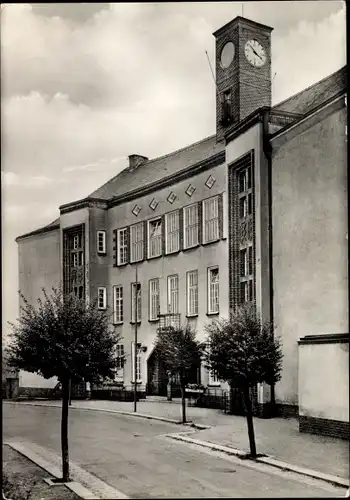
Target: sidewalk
x,y
277,437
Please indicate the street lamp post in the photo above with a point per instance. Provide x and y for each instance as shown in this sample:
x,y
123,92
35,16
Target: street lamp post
x,y
135,347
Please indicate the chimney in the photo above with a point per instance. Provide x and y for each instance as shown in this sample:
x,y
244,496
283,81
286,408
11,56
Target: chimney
x,y
136,160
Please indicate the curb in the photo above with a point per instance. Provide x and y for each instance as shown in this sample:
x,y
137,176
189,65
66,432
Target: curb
x,y
84,484
334,480
120,412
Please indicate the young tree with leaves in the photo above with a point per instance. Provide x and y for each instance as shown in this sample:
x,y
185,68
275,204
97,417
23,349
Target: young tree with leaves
x,y
244,352
180,352
67,338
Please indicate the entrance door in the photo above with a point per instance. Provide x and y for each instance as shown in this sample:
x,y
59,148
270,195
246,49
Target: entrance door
x,y
157,378
12,385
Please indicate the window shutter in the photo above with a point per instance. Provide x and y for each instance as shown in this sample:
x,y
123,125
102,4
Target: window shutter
x,y
145,241
181,229
221,215
128,245
163,234
200,223
115,248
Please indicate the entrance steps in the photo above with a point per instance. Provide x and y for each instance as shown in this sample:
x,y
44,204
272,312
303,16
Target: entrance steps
x,y
160,399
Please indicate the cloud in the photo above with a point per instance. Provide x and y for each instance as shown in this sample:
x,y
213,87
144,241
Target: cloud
x,y
34,181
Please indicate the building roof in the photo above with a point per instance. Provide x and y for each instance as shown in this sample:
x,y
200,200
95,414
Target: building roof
x,y
158,168
49,227
316,94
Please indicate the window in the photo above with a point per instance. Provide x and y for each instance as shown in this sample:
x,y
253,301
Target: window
x,y
154,238
213,290
173,294
77,259
172,225
211,219
78,291
213,378
246,261
227,106
154,299
245,192
76,241
246,291
192,293
138,363
135,297
118,304
246,274
136,238
122,246
101,241
102,297
120,356
191,226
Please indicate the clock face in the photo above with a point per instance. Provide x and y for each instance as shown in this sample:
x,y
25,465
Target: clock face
x,y
255,53
227,55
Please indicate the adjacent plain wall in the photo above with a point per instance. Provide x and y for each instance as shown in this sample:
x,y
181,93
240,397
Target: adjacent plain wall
x,y
324,381
39,267
310,247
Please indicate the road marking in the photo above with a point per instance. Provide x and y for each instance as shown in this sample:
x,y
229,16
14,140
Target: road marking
x,y
90,486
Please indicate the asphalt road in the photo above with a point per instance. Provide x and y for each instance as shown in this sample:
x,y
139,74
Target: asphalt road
x,y
134,456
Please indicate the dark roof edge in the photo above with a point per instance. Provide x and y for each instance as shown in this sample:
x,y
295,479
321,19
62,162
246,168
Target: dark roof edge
x,y
201,166
82,203
242,19
41,230
327,338
340,70
307,115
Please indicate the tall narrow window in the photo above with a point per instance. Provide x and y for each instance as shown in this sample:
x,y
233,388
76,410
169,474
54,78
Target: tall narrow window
x,y
245,192
76,241
101,241
118,304
173,294
211,219
227,106
136,239
191,226
135,300
138,363
120,357
154,238
153,299
213,290
192,293
172,242
122,246
246,275
102,297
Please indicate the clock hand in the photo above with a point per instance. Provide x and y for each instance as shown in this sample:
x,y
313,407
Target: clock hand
x,y
256,52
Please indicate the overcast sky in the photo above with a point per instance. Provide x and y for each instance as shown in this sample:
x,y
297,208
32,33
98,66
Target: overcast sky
x,y
85,85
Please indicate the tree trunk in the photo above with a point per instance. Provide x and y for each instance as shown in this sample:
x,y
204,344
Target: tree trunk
x,y
183,400
249,415
64,431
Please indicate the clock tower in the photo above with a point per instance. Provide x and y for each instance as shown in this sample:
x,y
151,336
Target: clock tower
x,y
243,71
